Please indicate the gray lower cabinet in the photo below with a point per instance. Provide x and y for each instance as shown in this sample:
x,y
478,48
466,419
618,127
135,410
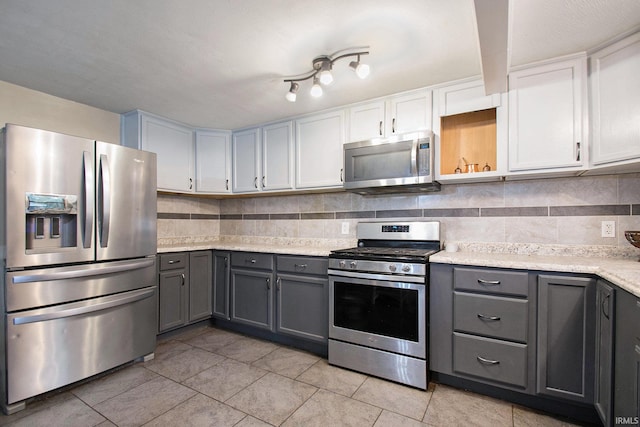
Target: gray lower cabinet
x,y
184,289
172,291
221,279
302,289
251,289
605,306
566,337
626,393
200,285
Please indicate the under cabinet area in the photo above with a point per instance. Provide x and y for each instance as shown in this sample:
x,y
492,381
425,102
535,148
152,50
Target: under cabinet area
x,y
184,294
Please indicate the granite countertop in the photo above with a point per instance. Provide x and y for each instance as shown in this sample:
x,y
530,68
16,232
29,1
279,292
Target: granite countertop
x,y
623,272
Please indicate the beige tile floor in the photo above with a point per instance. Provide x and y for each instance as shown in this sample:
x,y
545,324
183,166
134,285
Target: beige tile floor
x,y
210,377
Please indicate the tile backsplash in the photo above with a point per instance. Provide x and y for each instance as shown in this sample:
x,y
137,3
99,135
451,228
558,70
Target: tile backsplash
x,y
564,211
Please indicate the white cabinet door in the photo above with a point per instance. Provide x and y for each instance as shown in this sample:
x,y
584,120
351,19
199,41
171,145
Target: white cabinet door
x,y
277,157
462,98
366,121
246,146
546,116
615,96
173,145
213,161
410,112
319,141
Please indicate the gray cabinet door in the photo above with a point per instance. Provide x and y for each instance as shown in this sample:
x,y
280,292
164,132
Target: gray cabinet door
x,y
172,299
605,305
200,284
303,306
626,392
221,284
252,298
566,338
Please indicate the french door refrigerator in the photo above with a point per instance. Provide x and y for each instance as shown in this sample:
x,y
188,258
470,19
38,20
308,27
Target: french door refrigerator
x,y
78,241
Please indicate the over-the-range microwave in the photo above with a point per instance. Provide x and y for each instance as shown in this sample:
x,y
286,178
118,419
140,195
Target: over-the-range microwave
x,y
398,164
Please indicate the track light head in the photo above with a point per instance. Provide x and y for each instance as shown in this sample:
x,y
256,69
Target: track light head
x,y
292,94
316,89
361,70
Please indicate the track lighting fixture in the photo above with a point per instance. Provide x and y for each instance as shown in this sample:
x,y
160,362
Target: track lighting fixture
x,y
321,74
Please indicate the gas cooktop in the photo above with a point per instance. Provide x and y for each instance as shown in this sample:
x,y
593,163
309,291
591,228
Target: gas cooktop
x,y
385,253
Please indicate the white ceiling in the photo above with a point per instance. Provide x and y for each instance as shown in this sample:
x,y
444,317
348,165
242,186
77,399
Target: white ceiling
x,y
220,63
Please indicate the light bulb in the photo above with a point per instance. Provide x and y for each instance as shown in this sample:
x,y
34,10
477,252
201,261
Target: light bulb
x,y
291,95
326,78
362,71
316,89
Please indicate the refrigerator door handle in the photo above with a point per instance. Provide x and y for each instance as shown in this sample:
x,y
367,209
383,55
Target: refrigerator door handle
x,y
104,205
75,309
88,198
74,274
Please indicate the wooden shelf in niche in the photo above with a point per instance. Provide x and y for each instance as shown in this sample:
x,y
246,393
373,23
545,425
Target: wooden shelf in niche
x,y
469,135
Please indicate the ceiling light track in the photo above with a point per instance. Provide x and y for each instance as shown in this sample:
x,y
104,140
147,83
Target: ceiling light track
x,y
322,76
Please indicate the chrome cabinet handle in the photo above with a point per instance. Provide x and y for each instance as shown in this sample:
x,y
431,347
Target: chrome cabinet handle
x,y
483,317
173,261
487,361
252,260
255,182
393,125
301,266
380,128
183,279
263,186
268,284
278,283
488,282
190,183
226,184
341,180
577,151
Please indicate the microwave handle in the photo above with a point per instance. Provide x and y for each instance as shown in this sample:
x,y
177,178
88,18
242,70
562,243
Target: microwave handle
x,y
414,158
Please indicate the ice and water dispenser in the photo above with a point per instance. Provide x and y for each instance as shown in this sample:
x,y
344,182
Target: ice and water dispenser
x,y
51,221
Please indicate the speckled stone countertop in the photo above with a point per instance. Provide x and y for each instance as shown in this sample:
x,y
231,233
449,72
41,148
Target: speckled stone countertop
x,y
309,247
620,267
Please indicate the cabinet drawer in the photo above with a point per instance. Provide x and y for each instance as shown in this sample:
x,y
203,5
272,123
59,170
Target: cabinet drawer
x,y
303,265
173,261
488,280
491,359
252,260
492,316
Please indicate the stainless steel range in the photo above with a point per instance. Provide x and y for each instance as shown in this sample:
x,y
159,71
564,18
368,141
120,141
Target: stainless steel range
x,y
378,301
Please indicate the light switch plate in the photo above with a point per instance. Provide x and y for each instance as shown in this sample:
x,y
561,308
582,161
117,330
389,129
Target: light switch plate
x,y
345,228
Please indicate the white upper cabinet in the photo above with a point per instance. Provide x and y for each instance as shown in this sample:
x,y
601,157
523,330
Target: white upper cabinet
x,y
277,157
399,114
469,124
171,141
367,121
213,161
546,117
410,112
615,102
246,152
319,141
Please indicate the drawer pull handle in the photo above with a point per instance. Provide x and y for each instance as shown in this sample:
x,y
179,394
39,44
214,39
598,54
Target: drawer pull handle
x,y
488,282
483,317
487,361
252,261
301,266
637,348
173,261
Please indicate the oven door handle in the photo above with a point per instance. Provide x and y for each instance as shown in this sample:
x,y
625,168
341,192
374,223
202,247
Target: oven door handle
x,y
374,276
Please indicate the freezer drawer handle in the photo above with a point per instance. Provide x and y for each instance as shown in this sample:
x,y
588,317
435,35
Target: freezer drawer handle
x,y
114,302
74,274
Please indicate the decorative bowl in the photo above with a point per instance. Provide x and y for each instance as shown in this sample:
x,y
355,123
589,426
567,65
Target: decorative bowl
x,y
633,237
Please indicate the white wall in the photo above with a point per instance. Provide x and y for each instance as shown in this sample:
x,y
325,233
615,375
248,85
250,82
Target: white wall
x,y
31,108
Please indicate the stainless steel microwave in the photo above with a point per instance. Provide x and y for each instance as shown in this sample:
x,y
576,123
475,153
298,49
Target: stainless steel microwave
x,y
399,164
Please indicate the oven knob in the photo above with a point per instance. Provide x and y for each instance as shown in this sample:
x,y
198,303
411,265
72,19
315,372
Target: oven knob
x,y
406,268
393,268
342,264
353,264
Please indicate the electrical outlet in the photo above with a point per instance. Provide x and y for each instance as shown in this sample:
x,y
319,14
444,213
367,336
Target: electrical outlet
x,y
608,229
345,228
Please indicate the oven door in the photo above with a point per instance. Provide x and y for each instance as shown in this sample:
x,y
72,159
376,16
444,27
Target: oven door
x,y
383,312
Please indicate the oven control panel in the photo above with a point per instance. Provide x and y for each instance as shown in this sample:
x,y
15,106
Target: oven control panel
x,y
395,228
384,267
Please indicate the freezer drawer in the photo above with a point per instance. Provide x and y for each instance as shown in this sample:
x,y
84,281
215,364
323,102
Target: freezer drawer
x,y
49,286
55,346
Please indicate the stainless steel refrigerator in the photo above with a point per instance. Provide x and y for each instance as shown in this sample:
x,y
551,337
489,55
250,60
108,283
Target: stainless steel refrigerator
x,y
78,241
